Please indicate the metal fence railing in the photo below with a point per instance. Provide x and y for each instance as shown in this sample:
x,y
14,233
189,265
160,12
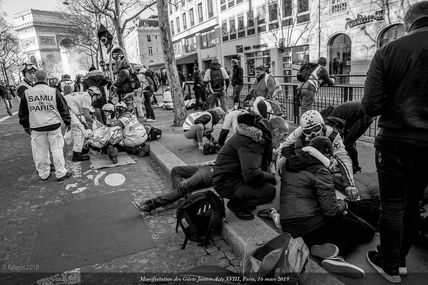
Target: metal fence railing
x,y
327,96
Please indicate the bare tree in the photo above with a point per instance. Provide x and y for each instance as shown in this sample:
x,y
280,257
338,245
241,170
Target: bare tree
x,y
9,49
120,13
171,67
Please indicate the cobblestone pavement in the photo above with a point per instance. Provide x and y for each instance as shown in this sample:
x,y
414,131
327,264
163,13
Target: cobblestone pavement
x,y
24,199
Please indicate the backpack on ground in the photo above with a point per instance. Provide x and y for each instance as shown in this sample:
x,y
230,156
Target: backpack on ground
x,y
305,71
200,216
135,82
152,132
283,258
217,80
277,92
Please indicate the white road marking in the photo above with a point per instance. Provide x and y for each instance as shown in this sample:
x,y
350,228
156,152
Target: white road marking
x,y
97,178
7,117
115,179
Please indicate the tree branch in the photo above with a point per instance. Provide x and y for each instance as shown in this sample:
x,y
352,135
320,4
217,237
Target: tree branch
x,y
137,14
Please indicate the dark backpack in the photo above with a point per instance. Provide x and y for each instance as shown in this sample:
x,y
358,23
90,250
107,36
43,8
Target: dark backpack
x,y
152,132
135,82
306,71
155,84
200,216
217,80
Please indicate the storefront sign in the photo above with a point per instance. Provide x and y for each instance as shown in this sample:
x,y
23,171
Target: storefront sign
x,y
378,16
260,46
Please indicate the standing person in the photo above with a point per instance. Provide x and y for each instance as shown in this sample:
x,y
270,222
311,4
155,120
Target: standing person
x,y
97,79
123,84
148,89
312,85
197,87
396,88
41,111
66,84
6,97
356,123
218,81
263,87
237,81
28,70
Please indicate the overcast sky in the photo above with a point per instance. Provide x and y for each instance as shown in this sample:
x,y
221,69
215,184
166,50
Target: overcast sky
x,y
10,7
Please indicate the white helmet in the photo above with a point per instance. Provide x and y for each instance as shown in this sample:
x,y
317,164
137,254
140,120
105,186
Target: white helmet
x,y
312,123
120,107
108,108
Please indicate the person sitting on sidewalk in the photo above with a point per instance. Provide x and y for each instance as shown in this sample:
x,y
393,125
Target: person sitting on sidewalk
x,y
312,125
309,208
356,123
201,124
167,102
241,171
185,180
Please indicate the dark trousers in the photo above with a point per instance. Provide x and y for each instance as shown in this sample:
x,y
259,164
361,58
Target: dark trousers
x,y
307,100
147,104
185,179
236,92
352,135
403,175
246,196
200,97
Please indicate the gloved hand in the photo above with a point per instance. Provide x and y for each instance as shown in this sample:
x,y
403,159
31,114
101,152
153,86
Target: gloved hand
x,y
352,193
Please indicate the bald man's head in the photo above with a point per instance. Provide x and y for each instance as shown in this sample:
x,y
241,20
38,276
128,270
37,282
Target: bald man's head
x,y
41,76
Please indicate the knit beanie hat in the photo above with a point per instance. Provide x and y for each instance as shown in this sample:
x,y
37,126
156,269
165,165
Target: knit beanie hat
x,y
323,144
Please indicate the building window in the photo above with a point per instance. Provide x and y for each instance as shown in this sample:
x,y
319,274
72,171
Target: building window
x,y
200,13
184,21
391,33
338,6
182,3
172,27
273,15
176,5
241,26
231,3
177,21
302,11
250,23
223,5
192,17
149,38
224,32
261,19
340,55
238,1
150,50
287,8
232,28
210,8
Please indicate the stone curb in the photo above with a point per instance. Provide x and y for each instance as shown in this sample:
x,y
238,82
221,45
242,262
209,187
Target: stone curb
x,y
242,236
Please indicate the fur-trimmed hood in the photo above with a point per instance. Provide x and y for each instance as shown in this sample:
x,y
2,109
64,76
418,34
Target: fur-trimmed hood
x,y
252,132
254,126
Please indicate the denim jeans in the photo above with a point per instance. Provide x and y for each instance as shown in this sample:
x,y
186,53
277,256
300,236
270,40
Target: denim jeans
x,y
403,176
221,97
148,105
236,92
195,132
247,197
307,100
185,179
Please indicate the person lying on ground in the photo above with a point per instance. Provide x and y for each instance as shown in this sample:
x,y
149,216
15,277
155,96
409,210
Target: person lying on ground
x,y
185,180
201,124
312,125
309,208
241,171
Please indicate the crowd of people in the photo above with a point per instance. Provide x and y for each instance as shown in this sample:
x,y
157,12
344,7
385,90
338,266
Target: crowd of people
x,y
314,163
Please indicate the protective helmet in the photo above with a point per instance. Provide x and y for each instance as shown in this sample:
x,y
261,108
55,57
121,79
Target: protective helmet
x,y
27,67
108,108
120,107
312,123
65,76
94,91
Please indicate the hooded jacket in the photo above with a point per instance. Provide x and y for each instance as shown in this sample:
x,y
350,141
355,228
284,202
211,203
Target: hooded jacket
x,y
245,158
307,195
216,67
95,78
260,88
123,81
237,75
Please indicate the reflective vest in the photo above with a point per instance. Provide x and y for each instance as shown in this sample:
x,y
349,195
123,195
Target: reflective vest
x,y
190,120
42,106
134,133
24,83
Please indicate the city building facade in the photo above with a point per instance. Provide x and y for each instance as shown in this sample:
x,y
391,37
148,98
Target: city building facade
x,y
45,40
283,34
143,43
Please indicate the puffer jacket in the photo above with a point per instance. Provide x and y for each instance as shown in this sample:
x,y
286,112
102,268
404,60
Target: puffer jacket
x,y
245,158
123,82
95,78
307,194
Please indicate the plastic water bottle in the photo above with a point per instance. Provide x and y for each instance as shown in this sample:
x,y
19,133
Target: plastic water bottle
x,y
275,217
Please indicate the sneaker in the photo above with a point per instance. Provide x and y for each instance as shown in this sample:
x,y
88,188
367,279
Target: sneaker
x,y
142,208
376,260
9,112
243,214
44,179
150,120
67,175
339,266
325,251
402,270
145,150
195,142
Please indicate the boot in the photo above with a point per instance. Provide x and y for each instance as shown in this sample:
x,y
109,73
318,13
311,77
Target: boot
x,y
78,156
